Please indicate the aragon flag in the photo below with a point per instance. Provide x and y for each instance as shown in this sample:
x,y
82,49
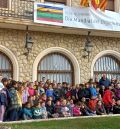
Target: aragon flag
x,y
84,3
95,3
103,5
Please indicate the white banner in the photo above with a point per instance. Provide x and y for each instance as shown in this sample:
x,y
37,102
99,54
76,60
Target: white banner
x,y
86,18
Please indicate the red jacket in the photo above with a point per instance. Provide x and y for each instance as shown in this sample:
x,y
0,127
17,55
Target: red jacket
x,y
92,104
107,97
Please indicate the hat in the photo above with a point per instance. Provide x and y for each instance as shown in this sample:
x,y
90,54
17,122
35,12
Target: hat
x,y
1,86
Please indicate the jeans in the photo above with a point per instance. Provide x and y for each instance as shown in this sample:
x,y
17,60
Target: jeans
x,y
14,114
2,112
26,117
108,109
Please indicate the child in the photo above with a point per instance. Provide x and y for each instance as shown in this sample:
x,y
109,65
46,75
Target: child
x,y
41,89
74,94
25,95
27,112
92,104
100,110
43,97
37,111
50,109
31,90
44,111
102,90
65,112
71,106
19,94
35,87
83,100
100,97
68,92
31,100
93,91
85,111
68,100
57,109
98,90
49,91
50,98
116,108
56,92
117,91
76,110
107,99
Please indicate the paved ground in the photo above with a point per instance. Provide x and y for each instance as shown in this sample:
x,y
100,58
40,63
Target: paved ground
x,y
65,118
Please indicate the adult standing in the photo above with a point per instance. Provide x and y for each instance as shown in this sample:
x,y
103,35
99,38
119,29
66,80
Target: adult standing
x,y
4,98
15,105
104,81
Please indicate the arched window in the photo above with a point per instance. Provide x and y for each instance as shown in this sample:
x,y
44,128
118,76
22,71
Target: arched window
x,y
6,67
56,66
108,65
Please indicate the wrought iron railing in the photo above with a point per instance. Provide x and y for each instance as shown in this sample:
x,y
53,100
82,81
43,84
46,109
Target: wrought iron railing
x,y
22,9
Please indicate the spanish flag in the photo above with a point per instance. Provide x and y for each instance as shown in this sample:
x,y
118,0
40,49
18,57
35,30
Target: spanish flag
x,y
84,3
103,5
95,3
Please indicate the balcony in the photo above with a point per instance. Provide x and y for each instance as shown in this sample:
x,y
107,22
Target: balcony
x,y
22,9
16,14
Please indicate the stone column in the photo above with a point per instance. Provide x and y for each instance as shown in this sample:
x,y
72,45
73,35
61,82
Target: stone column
x,y
117,6
69,3
42,1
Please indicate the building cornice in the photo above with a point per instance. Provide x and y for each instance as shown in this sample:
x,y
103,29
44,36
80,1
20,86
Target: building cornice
x,y
21,24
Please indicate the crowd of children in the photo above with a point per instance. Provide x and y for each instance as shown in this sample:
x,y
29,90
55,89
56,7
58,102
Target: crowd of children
x,y
46,99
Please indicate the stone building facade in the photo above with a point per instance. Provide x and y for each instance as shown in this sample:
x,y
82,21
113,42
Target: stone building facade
x,y
47,39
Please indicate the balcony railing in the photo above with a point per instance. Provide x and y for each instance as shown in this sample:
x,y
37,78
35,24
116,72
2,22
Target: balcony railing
x,y
22,9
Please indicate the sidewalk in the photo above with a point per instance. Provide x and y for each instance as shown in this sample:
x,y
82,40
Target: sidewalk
x,y
65,118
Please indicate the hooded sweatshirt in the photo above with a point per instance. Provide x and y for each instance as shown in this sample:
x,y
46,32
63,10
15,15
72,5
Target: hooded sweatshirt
x,y
107,97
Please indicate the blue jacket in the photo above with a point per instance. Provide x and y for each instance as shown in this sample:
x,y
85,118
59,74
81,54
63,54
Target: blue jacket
x,y
43,109
4,97
93,92
28,112
49,93
106,82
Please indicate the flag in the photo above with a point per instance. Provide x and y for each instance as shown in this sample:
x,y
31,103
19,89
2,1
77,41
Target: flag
x,y
49,13
84,3
95,3
103,5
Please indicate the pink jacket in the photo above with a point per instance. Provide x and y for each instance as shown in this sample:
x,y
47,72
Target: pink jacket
x,y
76,111
31,91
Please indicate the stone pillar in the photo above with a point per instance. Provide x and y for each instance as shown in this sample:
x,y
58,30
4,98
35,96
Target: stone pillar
x,y
42,1
117,6
69,2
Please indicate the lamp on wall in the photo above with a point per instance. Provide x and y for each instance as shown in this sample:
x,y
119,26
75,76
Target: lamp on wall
x,y
88,47
29,42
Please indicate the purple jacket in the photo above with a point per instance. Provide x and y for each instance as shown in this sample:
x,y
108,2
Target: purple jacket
x,y
117,93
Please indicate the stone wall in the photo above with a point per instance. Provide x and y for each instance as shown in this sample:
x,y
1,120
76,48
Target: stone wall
x,y
75,3
15,41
